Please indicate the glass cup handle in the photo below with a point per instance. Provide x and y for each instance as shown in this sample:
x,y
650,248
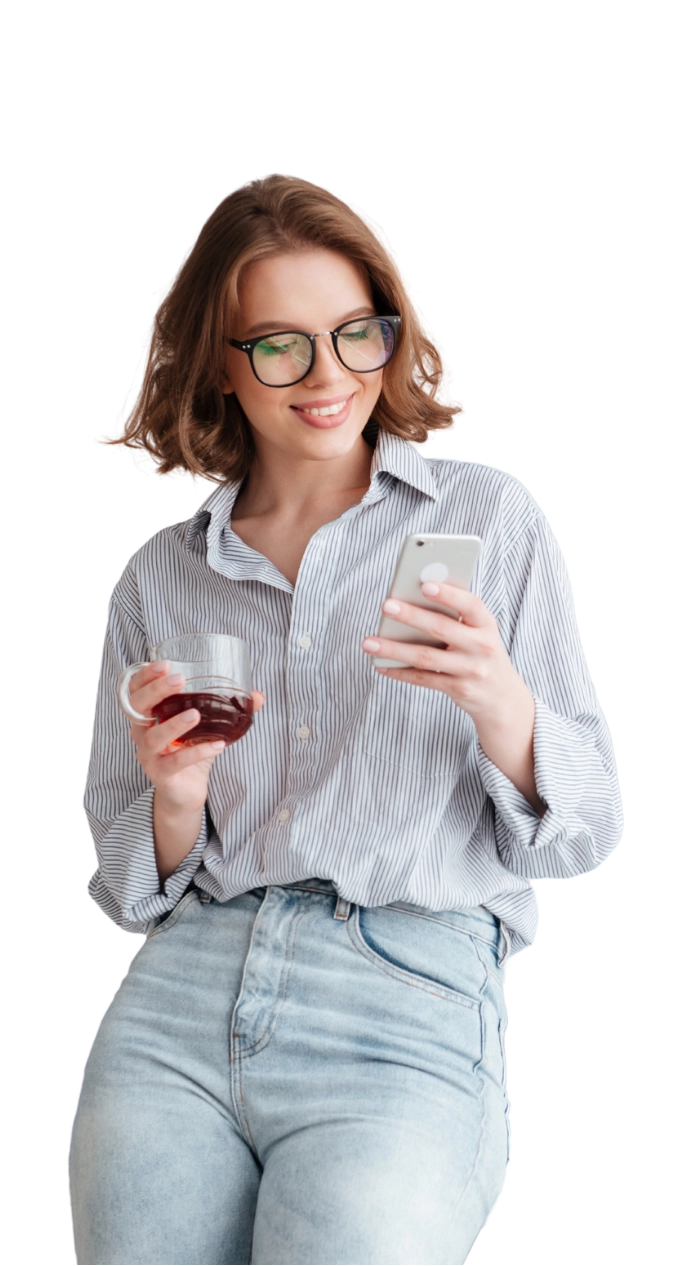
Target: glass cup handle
x,y
123,695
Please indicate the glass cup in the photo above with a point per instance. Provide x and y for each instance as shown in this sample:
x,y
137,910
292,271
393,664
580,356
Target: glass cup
x,y
216,669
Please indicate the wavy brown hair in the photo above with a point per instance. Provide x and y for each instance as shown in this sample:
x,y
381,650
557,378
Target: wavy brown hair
x,y
182,416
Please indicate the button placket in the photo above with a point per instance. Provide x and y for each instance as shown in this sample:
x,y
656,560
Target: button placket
x,y
302,732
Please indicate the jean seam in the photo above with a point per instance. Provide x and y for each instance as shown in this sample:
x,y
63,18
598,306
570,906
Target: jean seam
x,y
478,1074
237,1055
247,1051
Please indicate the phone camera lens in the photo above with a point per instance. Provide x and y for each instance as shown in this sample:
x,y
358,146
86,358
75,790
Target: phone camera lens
x,y
420,542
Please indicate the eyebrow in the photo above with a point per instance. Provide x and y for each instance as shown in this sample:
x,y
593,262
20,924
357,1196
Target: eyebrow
x,y
268,327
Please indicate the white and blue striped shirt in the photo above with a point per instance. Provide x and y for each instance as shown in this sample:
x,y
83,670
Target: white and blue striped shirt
x,y
375,784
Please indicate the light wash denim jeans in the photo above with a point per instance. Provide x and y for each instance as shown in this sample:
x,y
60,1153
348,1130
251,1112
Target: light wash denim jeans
x,y
285,1078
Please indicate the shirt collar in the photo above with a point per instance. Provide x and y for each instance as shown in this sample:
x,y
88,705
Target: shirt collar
x,y
393,456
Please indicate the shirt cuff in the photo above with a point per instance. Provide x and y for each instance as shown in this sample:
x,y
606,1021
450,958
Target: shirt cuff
x,y
559,843
129,868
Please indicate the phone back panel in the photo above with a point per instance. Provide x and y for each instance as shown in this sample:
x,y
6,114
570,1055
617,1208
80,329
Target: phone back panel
x,y
424,556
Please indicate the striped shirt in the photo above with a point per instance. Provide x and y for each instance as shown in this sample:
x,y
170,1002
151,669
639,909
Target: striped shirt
x,y
375,784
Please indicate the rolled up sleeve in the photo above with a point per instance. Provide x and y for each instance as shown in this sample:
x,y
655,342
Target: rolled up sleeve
x,y
119,799
575,773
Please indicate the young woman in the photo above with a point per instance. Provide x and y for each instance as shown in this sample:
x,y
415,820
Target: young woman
x,y
305,1062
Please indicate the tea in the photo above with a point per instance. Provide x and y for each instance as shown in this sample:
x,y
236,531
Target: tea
x,y
224,718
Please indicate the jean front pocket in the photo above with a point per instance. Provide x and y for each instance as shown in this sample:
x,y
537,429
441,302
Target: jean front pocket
x,y
169,920
429,956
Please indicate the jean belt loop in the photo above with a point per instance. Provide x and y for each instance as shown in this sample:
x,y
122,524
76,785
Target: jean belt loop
x,y
504,944
342,909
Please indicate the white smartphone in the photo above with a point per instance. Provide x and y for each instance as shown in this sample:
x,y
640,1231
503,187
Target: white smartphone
x,y
424,556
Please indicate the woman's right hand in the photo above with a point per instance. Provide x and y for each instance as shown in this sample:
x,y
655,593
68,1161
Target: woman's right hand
x,y
180,773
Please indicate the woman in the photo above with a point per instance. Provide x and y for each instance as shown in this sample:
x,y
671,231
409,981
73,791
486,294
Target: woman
x,y
305,1062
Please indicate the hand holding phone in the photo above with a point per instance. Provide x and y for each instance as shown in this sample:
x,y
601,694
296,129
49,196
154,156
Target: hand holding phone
x,y
449,559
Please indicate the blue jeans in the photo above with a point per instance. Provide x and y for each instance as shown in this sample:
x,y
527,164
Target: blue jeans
x,y
285,1078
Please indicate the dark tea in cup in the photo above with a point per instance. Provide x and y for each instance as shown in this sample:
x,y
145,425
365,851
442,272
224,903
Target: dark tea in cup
x,y
216,671
224,718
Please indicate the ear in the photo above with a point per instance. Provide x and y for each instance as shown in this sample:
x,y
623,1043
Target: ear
x,y
227,388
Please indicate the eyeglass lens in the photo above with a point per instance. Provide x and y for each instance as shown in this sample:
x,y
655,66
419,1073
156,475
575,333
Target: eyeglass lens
x,y
364,345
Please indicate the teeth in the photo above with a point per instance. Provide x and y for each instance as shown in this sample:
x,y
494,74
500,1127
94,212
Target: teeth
x,y
327,412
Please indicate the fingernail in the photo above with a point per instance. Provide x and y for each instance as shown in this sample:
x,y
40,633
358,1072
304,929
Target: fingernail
x,y
370,644
218,747
191,715
173,679
429,589
391,607
160,665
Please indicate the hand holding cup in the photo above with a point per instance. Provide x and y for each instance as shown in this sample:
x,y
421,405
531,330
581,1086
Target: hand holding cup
x,y
166,760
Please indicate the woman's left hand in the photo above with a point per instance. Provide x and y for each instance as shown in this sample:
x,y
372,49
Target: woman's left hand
x,y
473,667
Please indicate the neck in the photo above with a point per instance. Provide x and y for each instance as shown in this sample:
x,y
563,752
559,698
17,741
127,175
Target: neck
x,y
291,496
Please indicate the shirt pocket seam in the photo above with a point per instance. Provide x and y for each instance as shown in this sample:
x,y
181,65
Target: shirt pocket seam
x,y
401,730
401,764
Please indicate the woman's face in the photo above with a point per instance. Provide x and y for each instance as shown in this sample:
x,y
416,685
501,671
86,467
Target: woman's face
x,y
310,291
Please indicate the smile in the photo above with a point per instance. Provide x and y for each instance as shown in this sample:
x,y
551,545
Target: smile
x,y
324,413
329,412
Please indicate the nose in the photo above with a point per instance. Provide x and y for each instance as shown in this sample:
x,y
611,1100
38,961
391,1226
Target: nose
x,y
326,369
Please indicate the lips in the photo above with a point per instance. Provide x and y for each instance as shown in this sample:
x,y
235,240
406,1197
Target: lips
x,y
319,404
324,413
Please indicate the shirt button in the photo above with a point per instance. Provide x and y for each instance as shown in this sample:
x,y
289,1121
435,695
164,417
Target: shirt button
x,y
283,815
303,732
304,642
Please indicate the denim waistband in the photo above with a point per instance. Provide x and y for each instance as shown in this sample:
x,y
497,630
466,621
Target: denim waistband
x,y
325,885
493,931
477,921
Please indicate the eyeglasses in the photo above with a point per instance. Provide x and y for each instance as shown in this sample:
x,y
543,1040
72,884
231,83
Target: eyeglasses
x,y
281,360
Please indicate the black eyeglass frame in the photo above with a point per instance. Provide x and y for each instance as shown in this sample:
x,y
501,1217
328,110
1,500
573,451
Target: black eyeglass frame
x,y
250,344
